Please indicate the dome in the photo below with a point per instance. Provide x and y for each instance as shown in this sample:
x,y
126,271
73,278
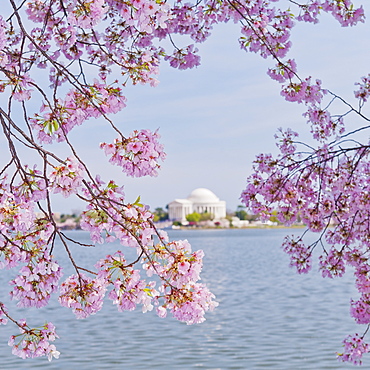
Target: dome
x,y
202,195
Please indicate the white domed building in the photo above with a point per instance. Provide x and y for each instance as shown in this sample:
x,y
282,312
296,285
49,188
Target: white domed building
x,y
200,200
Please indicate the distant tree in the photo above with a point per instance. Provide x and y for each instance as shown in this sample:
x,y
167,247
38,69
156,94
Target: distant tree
x,y
241,213
193,217
274,217
206,216
160,215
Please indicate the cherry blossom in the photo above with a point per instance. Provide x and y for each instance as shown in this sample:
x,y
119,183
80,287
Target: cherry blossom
x,y
354,348
83,294
34,342
138,155
67,179
88,52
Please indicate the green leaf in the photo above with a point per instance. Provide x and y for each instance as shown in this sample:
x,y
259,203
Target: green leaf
x,y
137,202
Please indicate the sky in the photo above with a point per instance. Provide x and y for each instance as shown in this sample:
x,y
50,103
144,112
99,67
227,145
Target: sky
x,y
214,119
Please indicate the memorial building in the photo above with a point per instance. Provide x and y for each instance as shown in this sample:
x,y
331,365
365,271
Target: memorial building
x,y
200,200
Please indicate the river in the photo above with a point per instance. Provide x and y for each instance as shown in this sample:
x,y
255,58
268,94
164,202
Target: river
x,y
268,316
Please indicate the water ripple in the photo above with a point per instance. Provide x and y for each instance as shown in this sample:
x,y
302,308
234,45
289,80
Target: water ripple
x,y
268,318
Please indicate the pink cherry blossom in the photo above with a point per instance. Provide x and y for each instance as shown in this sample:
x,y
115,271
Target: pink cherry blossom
x,y
89,51
67,179
354,348
34,342
138,155
83,294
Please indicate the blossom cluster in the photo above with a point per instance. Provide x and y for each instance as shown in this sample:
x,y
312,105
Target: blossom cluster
x,y
184,58
54,123
16,214
86,15
265,29
364,92
108,215
321,184
138,155
83,294
300,255
3,316
283,71
22,87
322,123
36,281
129,289
354,348
67,179
326,188
342,10
332,264
34,342
23,236
179,269
32,187
174,263
303,91
270,34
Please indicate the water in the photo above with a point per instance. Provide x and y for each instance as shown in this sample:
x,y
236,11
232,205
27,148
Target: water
x,y
268,317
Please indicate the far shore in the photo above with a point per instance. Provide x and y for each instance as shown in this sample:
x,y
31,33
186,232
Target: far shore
x,y
234,228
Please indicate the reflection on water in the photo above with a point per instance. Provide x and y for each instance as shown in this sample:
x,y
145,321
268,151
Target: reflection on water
x,y
268,317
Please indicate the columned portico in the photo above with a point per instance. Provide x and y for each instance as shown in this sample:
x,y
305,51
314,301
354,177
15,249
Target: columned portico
x,y
200,200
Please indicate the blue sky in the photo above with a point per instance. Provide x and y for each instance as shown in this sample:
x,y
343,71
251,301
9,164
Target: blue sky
x,y
214,119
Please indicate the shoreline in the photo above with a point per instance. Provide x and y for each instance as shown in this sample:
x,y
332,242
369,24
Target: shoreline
x,y
233,228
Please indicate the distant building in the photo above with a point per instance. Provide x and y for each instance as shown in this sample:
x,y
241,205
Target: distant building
x,y
237,222
200,200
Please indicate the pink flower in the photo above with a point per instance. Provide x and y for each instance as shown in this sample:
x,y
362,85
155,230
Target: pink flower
x,y
364,92
3,317
67,179
3,33
34,342
36,281
354,348
283,72
88,14
138,155
83,294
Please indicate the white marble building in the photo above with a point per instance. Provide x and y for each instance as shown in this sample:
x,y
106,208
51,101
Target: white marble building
x,y
200,200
